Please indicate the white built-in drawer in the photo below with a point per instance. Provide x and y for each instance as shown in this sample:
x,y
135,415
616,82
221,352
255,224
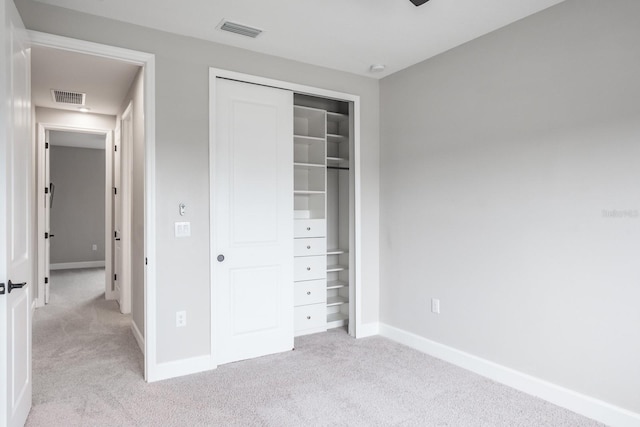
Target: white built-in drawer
x,y
309,228
310,292
307,247
309,316
309,268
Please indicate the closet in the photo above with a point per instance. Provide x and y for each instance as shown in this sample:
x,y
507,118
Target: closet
x,y
283,223
323,213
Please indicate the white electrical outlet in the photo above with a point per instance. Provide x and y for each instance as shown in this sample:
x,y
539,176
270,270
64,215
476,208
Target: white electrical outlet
x,y
181,318
435,305
94,247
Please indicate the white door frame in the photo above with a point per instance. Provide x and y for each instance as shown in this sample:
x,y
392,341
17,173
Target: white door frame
x,y
147,61
215,73
126,177
42,184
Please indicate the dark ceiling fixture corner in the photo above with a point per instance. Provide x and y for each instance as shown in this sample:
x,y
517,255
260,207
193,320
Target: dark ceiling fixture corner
x,y
418,2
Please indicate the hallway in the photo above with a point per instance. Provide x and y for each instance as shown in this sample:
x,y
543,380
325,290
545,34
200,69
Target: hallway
x,y
82,346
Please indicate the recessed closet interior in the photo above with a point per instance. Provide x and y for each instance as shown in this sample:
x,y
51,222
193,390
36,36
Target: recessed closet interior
x,y
323,213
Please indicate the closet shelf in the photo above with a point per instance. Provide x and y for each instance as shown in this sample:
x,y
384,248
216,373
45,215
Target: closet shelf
x,y
337,117
308,165
336,284
336,137
334,268
336,160
304,139
336,251
336,317
336,300
302,192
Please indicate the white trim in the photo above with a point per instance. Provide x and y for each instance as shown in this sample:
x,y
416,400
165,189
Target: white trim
x,y
582,404
183,367
147,61
73,265
369,330
42,273
215,73
108,216
137,335
82,46
126,204
41,183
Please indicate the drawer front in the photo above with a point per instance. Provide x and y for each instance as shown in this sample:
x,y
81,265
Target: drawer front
x,y
309,228
309,268
310,292
307,247
309,316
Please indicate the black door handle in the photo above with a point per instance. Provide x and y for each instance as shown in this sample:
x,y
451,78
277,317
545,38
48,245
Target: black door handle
x,y
11,286
51,235
117,239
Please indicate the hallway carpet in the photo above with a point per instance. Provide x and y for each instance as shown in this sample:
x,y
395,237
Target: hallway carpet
x,y
88,369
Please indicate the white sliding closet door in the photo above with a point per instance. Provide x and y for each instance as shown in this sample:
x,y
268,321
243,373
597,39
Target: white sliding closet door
x,y
253,224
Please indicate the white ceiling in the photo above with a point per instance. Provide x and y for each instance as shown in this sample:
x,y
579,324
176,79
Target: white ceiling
x,y
77,139
105,81
348,35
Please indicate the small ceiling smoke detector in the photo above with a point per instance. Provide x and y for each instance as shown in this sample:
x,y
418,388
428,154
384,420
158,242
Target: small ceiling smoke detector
x,y
68,97
377,68
243,30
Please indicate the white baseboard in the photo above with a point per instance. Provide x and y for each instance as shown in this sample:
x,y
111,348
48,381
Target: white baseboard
x,y
137,335
71,265
178,368
368,330
582,404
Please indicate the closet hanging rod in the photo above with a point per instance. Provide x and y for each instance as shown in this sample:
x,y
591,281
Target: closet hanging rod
x,y
338,167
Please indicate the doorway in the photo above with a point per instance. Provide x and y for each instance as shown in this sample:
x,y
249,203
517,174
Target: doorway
x,y
137,173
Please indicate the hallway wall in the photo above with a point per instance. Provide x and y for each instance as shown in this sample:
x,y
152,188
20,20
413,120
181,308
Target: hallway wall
x,y
78,210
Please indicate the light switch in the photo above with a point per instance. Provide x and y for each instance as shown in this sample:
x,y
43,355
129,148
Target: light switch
x,y
183,229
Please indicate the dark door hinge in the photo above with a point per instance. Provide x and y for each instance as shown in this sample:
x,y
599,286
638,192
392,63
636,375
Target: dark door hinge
x,y
46,190
46,280
115,277
115,190
146,260
2,288
46,235
46,145
115,148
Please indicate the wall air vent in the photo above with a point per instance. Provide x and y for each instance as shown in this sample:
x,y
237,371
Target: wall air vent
x,y
243,30
67,97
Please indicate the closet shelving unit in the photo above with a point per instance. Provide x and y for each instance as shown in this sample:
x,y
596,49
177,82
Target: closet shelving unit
x,y
322,186
309,196
338,226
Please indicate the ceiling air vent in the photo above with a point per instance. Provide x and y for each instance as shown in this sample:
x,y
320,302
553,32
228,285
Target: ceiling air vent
x,y
243,30
67,97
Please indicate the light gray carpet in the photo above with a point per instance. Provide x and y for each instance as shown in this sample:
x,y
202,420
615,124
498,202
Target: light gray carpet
x,y
88,372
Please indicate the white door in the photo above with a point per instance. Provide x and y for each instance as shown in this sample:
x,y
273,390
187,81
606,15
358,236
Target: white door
x,y
16,220
117,219
123,211
253,221
48,202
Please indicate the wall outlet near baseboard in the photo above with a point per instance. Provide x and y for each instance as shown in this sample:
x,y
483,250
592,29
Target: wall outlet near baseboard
x,y
435,305
181,318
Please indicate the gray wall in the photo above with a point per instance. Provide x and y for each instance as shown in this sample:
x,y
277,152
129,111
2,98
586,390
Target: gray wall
x,y
501,163
182,138
77,215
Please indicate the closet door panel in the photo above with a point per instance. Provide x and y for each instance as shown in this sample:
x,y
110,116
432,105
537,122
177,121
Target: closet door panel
x,y
252,204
